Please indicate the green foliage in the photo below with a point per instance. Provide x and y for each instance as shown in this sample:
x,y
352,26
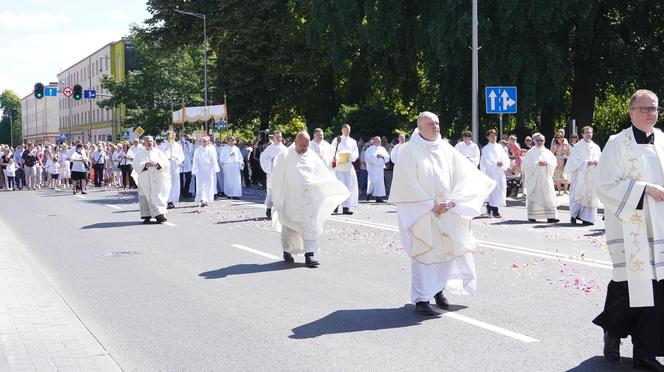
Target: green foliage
x,y
611,115
369,121
10,104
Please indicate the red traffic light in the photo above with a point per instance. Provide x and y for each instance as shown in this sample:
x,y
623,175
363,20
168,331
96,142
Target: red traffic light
x,y
39,90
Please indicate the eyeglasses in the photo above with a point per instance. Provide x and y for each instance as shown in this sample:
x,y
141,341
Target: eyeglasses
x,y
647,109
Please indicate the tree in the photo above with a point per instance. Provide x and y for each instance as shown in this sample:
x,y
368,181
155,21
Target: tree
x,y
10,104
162,81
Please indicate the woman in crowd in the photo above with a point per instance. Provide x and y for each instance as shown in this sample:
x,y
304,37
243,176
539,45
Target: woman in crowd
x,y
115,158
108,165
64,173
79,169
125,157
561,150
52,167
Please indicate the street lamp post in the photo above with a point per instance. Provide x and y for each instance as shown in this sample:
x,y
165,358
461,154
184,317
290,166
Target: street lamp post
x,y
204,18
475,121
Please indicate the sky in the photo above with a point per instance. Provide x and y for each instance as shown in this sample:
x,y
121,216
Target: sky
x,y
40,38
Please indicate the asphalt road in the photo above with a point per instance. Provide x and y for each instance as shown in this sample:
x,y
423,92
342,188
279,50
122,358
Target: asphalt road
x,y
208,291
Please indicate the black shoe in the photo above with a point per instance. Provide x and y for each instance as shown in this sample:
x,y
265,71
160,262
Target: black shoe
x,y
497,215
531,220
309,260
369,196
288,257
347,211
646,361
488,210
586,223
441,301
423,308
160,218
204,204
380,200
170,205
552,220
572,220
83,192
336,210
268,213
611,349
146,220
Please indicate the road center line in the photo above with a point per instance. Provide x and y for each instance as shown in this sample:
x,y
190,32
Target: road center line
x,y
113,206
255,251
489,327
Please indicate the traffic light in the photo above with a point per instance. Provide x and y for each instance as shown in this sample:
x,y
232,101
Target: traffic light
x,y
39,90
78,92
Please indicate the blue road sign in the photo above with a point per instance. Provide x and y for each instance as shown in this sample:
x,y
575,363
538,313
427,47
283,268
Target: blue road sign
x,y
125,134
500,100
90,94
51,92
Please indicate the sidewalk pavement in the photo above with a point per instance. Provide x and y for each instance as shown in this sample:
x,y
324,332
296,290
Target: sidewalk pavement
x,y
38,330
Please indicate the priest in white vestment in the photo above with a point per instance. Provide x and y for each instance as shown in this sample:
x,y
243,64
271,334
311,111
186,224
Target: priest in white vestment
x,y
220,147
345,153
494,162
437,192
629,180
376,157
151,171
394,154
175,155
185,171
304,192
468,148
232,164
581,165
538,166
267,164
324,150
205,167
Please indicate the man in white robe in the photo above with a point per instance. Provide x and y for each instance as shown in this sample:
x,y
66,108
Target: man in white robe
x,y
345,153
205,167
151,171
175,156
304,192
221,148
538,166
394,154
232,164
468,148
324,150
494,162
581,165
437,192
185,171
629,179
376,157
267,164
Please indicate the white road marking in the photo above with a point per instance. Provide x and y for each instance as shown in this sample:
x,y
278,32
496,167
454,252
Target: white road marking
x,y
496,246
489,327
80,196
170,224
113,206
255,251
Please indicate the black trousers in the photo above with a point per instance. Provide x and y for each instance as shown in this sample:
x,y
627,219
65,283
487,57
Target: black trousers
x,y
185,183
126,175
644,324
99,174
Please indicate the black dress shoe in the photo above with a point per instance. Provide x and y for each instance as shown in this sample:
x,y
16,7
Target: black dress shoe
x,y
552,220
160,218
572,220
380,200
611,349
170,205
646,361
268,213
497,215
423,308
288,257
347,211
531,220
309,260
441,300
586,223
146,220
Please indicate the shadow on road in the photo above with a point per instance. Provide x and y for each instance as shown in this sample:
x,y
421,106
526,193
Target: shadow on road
x,y
346,321
515,222
598,363
110,225
249,269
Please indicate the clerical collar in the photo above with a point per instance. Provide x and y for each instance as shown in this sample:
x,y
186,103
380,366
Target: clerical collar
x,y
642,138
428,140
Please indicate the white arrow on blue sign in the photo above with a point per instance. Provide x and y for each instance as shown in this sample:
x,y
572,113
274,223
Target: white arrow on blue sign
x,y
51,92
500,100
90,94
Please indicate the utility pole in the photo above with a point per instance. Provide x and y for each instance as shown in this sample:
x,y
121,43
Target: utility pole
x,y
475,120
